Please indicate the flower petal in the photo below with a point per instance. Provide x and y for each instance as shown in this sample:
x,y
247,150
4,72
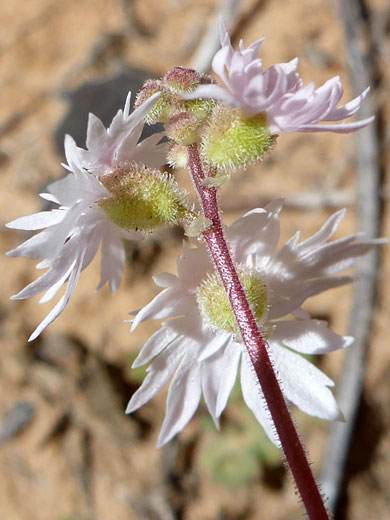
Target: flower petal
x,y
327,230
168,303
254,398
165,279
231,360
309,336
113,260
341,128
212,372
216,341
60,306
304,384
183,399
159,373
38,220
155,344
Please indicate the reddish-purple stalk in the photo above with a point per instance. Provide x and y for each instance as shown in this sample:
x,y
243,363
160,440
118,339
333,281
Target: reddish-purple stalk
x,y
255,344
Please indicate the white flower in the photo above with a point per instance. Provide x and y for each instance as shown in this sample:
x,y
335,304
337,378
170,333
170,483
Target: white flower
x,y
278,92
79,226
200,347
109,148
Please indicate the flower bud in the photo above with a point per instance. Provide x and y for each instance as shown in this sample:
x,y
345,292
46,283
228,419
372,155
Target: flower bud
x,y
143,199
177,156
163,109
181,128
233,141
180,79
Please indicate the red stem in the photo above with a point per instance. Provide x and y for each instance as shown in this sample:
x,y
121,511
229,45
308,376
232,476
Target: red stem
x,y
255,344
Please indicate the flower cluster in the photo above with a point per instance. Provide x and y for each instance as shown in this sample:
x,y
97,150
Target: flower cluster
x,y
114,191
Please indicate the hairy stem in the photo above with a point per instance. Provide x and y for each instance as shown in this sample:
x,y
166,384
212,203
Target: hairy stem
x,y
255,344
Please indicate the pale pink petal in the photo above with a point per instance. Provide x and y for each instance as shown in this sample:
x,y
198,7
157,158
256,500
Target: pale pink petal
x,y
348,109
71,153
212,92
340,254
56,271
192,265
148,152
341,128
96,133
49,197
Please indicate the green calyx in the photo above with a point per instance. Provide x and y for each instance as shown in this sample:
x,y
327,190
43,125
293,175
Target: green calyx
x,y
233,141
215,306
161,111
171,103
143,199
181,128
200,108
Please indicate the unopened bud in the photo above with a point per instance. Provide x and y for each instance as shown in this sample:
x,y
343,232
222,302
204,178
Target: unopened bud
x,y
143,199
181,128
180,79
233,141
162,110
177,156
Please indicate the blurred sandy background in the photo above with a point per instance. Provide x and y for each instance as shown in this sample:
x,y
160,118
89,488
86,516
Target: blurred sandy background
x,y
67,450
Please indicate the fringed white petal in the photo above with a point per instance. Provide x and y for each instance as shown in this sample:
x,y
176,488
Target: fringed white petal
x,y
39,220
183,399
309,336
231,360
167,304
159,373
305,385
60,306
254,399
155,344
112,261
